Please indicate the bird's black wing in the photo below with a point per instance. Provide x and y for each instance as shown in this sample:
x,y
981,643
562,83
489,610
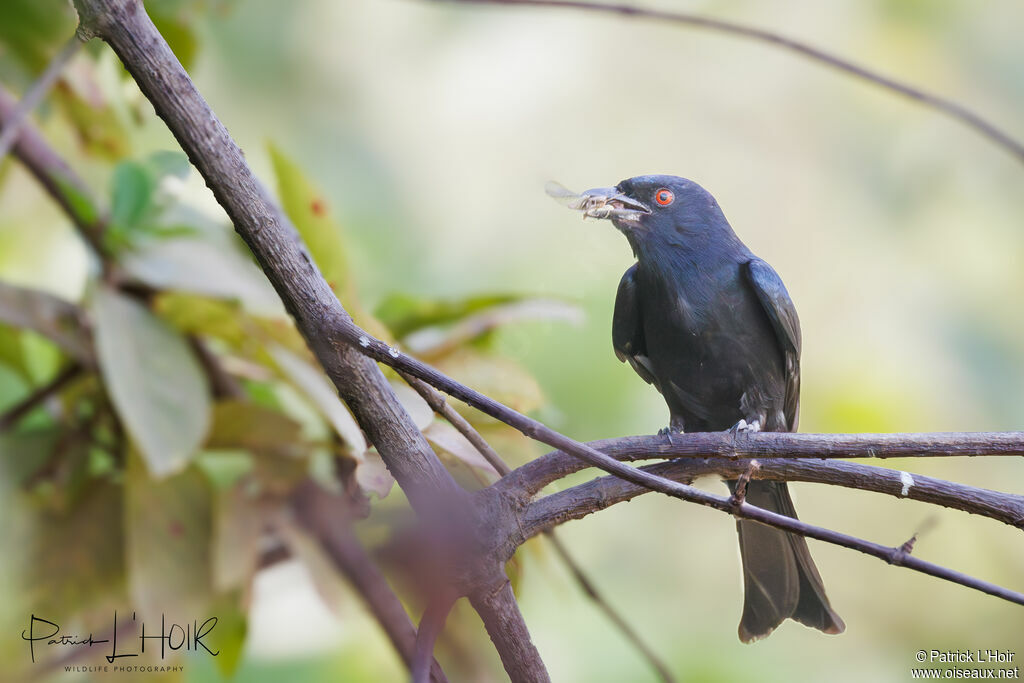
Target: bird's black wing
x,y
782,313
628,328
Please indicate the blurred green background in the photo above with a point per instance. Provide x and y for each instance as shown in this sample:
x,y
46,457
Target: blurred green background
x,y
431,128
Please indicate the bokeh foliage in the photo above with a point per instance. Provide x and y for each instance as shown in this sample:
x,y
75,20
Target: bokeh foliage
x,y
410,144
154,480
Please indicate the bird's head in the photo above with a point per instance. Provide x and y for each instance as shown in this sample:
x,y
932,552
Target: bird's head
x,y
659,208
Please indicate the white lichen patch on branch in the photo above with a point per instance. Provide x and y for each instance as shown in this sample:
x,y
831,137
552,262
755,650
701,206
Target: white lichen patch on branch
x,y
907,481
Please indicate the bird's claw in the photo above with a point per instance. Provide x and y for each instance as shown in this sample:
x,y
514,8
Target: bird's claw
x,y
745,427
668,432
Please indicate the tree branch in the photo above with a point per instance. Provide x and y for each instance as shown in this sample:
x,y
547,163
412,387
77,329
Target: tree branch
x,y
650,478
943,105
27,404
126,27
56,177
35,94
529,479
590,590
430,628
598,494
326,518
508,632
56,319
438,404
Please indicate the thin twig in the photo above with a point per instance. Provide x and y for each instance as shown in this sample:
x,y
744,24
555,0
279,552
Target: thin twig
x,y
440,406
600,493
326,518
591,591
647,477
429,629
274,242
64,185
943,105
27,404
35,94
530,478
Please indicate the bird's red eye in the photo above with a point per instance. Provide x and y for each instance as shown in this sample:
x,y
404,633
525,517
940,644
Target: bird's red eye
x,y
664,196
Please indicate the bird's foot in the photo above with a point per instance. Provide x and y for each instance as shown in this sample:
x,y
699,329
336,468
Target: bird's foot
x,y
673,428
745,427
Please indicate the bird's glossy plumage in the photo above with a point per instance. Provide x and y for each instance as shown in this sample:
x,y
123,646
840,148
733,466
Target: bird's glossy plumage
x,y
714,329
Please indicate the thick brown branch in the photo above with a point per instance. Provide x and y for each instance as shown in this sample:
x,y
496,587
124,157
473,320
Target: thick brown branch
x,y
649,477
126,27
536,474
943,105
508,632
440,406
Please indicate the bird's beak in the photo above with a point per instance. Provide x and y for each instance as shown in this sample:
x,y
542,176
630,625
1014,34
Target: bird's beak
x,y
608,202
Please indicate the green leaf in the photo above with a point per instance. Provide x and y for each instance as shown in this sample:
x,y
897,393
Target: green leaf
x,y
24,453
243,424
169,532
224,467
500,378
307,208
32,30
201,267
445,437
73,557
225,320
57,320
228,638
239,520
85,106
168,162
179,34
12,353
312,382
131,194
405,313
154,380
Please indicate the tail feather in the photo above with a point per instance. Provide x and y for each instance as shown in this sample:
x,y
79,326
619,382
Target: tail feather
x,y
779,577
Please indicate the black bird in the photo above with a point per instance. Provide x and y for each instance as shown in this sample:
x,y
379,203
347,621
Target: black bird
x,y
714,329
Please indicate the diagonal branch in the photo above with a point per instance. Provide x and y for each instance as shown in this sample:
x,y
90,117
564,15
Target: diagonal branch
x,y
58,320
319,513
598,494
13,415
529,479
126,27
318,315
56,177
606,491
943,105
438,404
35,94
